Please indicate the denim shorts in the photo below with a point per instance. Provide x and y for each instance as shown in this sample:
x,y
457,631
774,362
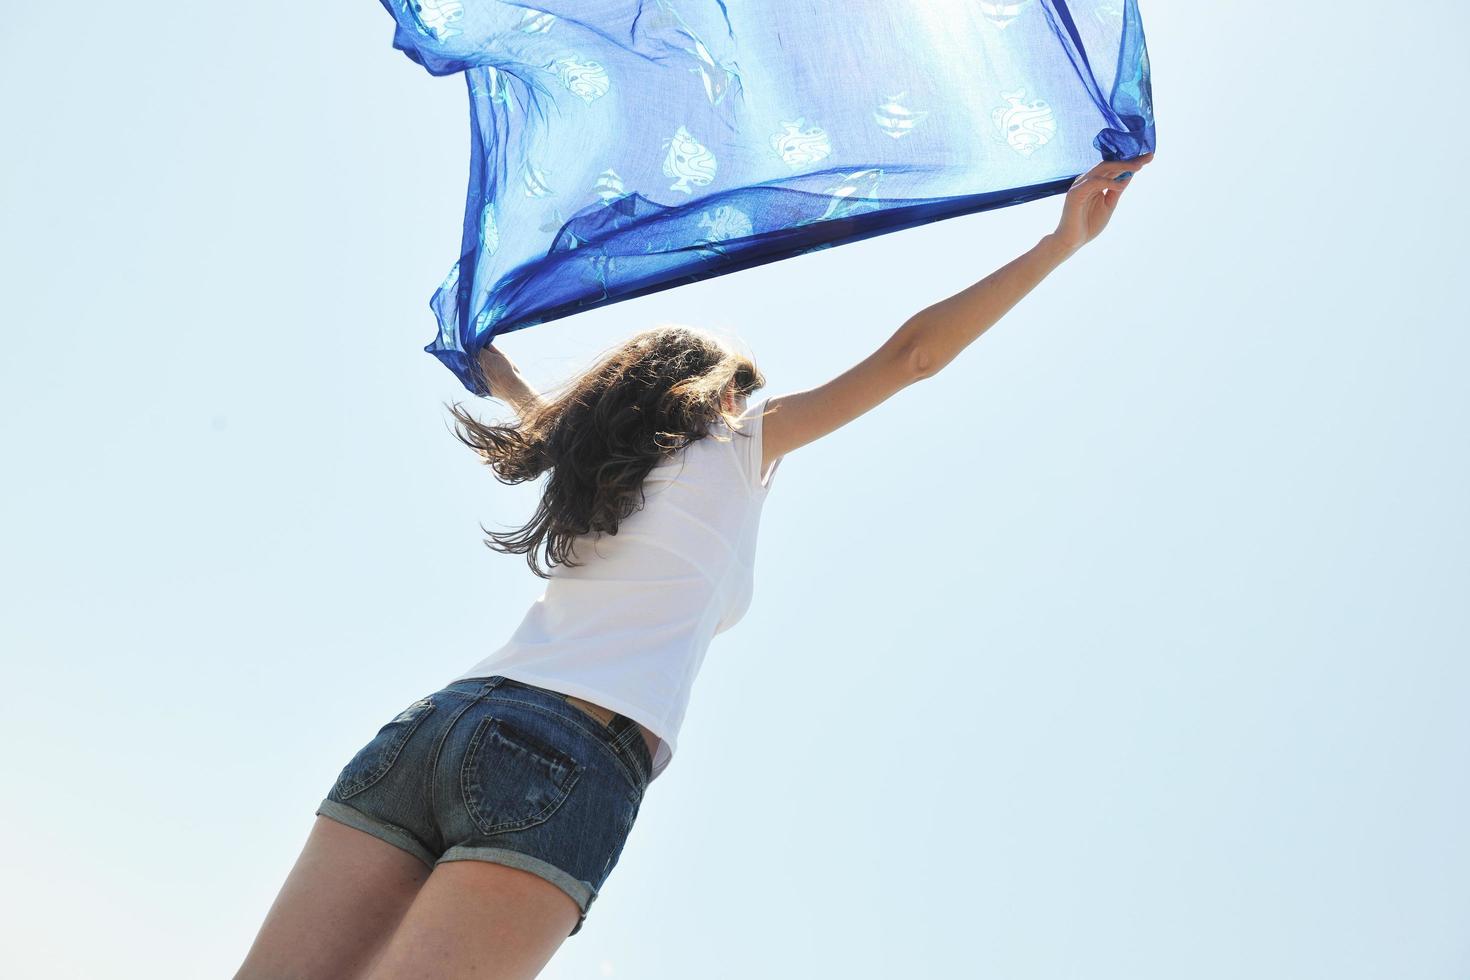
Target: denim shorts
x,y
492,769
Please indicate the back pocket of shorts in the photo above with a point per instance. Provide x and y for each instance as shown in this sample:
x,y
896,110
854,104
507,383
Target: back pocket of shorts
x,y
374,759
512,779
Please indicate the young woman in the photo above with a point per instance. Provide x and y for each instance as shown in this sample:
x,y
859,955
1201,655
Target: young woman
x,y
469,837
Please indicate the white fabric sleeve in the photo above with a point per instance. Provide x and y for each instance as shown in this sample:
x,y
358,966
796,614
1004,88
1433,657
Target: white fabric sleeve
x,y
748,447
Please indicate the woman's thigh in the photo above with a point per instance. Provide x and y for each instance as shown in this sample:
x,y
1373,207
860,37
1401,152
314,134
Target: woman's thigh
x,y
344,897
478,920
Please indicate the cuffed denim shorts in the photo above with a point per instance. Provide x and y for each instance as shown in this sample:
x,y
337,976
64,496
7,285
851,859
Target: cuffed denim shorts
x,y
492,769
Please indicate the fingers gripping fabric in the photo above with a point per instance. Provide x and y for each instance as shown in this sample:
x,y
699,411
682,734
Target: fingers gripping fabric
x,y
621,147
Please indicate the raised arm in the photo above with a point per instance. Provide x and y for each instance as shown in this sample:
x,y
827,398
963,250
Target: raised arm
x,y
934,336
506,382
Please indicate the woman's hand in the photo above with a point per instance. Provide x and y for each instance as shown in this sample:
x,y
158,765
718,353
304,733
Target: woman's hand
x,y
1091,199
500,372
506,382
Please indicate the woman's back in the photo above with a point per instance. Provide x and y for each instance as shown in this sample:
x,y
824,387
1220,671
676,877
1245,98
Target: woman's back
x,y
628,627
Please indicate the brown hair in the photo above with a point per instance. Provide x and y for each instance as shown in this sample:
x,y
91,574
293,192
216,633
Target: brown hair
x,y
639,403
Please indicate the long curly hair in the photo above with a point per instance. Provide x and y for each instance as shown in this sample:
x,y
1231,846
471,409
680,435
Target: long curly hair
x,y
598,438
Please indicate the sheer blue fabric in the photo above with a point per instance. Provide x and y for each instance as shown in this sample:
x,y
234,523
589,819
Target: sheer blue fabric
x,y
621,147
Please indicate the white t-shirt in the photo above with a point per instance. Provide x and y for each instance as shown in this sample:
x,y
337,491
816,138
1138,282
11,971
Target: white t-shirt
x,y
628,629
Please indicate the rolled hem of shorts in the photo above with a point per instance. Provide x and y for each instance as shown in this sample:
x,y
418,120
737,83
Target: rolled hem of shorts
x,y
576,889
342,813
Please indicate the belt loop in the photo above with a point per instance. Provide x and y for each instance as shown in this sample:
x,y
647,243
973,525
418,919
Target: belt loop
x,y
491,683
631,733
638,748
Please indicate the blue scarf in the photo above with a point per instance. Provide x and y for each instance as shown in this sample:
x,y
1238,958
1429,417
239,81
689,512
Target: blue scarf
x,y
622,147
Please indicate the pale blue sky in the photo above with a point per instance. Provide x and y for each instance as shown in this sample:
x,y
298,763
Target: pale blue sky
x,y
1133,645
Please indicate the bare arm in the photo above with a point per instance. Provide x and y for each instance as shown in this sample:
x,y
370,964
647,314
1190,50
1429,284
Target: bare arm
x,y
506,381
937,334
934,336
926,342
520,396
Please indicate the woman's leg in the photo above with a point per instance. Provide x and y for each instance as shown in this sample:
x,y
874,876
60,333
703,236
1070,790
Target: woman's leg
x,y
474,920
337,909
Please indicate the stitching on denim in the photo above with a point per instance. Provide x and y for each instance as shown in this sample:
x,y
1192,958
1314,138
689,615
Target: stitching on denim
x,y
628,771
622,741
624,737
637,773
472,756
612,753
634,735
382,827
353,789
535,818
632,732
433,767
631,735
475,849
